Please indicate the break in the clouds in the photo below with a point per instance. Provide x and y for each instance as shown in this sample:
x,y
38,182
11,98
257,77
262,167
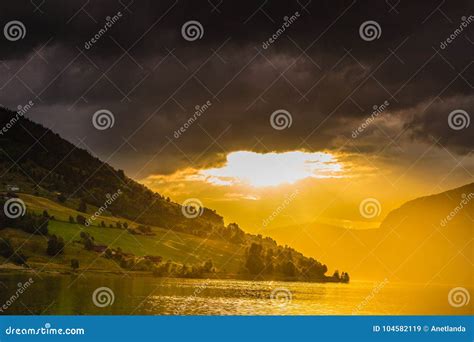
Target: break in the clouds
x,y
248,60
259,170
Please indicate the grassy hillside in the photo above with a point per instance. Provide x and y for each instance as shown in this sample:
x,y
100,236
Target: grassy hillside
x,y
58,167
178,247
229,259
170,245
34,247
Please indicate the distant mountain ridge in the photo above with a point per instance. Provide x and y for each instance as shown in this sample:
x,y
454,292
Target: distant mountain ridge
x,y
426,239
432,209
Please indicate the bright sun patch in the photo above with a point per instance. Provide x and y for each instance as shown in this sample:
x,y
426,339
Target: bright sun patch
x,y
272,169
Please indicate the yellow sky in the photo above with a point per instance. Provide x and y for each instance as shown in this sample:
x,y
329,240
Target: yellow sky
x,y
298,197
301,186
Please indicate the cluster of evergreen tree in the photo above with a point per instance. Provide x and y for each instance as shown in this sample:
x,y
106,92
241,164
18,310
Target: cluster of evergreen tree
x,y
284,262
343,277
29,222
171,269
55,245
8,252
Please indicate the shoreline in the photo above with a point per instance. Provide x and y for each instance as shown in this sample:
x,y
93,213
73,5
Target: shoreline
x,y
12,269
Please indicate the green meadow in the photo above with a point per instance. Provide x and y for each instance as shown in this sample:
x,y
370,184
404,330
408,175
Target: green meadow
x,y
170,245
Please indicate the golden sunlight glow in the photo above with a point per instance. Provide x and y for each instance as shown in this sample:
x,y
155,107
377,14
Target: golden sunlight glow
x,y
271,169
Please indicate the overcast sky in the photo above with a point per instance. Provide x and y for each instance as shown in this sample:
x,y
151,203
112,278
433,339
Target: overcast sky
x,y
320,70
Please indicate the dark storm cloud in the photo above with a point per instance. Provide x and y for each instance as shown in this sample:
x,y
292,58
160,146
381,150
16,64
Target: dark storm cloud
x,y
434,124
320,70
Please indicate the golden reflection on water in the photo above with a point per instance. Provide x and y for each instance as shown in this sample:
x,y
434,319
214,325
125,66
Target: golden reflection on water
x,y
155,296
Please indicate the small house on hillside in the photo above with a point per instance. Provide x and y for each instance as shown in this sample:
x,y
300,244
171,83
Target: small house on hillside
x,y
99,248
154,258
13,188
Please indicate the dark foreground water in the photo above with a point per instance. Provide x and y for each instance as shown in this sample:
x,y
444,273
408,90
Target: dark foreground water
x,y
108,294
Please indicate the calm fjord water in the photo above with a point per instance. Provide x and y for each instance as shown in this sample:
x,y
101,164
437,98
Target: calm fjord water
x,y
157,296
